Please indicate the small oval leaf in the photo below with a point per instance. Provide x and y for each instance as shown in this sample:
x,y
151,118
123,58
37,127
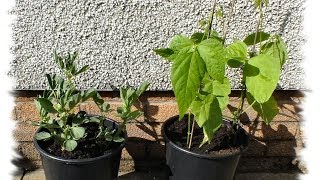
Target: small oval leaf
x,y
43,136
70,145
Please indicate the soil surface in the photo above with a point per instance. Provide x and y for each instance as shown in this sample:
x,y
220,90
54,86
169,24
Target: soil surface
x,y
227,140
86,148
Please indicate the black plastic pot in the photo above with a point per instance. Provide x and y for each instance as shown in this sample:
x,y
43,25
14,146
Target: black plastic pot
x,y
186,165
104,167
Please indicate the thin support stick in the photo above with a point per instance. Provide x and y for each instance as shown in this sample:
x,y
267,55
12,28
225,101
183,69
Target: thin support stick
x,y
228,20
190,142
189,124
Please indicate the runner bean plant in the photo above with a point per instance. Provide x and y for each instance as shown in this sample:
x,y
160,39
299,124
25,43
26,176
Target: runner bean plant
x,y
198,76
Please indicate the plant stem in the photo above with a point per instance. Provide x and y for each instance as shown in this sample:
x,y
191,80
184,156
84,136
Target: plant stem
x,y
189,124
249,107
241,103
228,21
190,142
243,85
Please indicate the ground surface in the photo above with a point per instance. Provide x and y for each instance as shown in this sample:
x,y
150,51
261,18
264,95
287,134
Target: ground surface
x,y
157,175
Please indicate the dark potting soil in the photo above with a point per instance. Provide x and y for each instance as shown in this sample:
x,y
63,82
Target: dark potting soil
x,y
86,148
227,140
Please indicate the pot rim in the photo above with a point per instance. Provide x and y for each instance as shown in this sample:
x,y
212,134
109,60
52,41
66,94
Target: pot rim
x,y
84,160
204,156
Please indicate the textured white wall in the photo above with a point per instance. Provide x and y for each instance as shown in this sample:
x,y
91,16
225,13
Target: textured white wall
x,y
116,38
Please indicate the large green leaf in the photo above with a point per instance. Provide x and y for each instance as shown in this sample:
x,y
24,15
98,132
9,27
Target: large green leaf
x,y
186,74
221,90
277,49
208,115
213,54
177,43
237,54
267,110
262,75
261,36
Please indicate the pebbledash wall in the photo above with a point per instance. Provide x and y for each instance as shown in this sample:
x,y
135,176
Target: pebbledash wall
x,y
116,38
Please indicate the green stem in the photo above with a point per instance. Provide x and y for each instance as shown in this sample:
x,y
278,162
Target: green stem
x,y
241,103
248,107
243,85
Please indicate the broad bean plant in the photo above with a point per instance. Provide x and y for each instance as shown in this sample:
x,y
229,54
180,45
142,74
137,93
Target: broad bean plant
x,y
56,107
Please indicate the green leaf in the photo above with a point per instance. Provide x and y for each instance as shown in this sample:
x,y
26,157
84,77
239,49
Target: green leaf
x,y
179,42
208,115
221,89
70,145
186,74
237,54
74,56
261,36
267,110
198,37
73,101
50,81
276,49
262,75
219,13
58,60
213,54
165,53
234,63
43,136
142,88
97,98
95,119
88,94
223,101
83,69
77,132
46,105
134,115
118,139
105,107
108,137
257,3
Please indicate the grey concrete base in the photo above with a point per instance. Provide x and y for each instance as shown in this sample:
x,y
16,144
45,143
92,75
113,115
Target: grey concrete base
x,y
158,175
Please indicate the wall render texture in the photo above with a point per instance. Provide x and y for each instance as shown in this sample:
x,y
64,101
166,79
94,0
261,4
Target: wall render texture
x,y
116,38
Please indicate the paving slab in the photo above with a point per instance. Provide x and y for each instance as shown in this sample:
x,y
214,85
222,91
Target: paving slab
x,y
17,175
160,175
267,176
34,175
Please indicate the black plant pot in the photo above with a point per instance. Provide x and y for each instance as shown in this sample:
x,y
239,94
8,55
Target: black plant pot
x,y
104,167
186,165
